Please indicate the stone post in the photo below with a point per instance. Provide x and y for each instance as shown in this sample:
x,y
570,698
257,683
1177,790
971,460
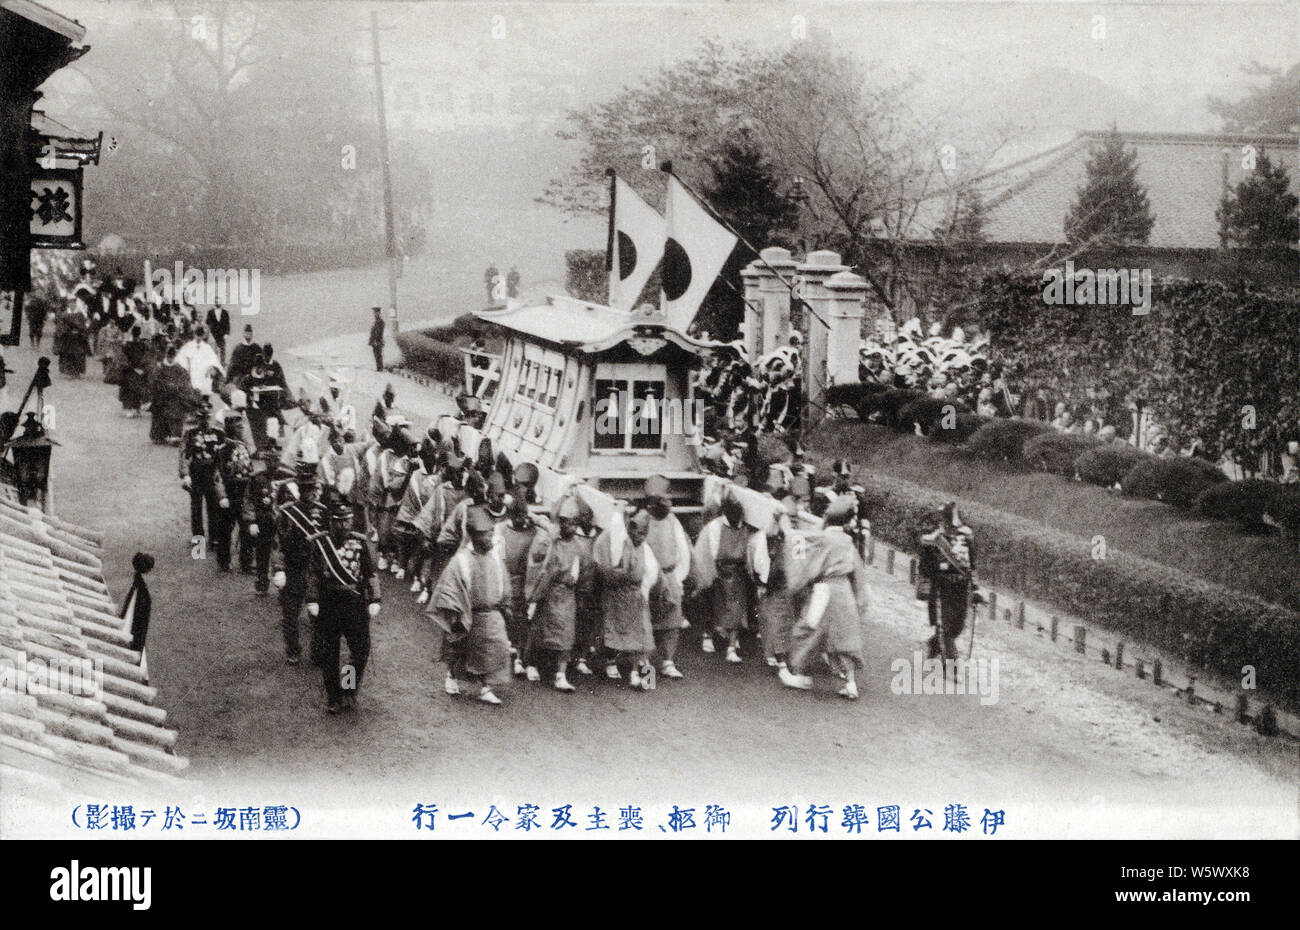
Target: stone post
x,y
775,297
844,315
751,331
814,272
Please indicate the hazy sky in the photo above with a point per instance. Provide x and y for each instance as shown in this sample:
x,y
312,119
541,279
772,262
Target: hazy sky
x,y
1158,61
1034,73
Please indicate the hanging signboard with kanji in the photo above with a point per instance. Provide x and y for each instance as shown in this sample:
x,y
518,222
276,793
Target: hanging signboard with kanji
x,y
55,209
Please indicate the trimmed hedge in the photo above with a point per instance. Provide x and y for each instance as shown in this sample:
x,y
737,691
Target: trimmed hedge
x,y
888,403
1210,468
928,413
852,393
431,357
967,425
1209,625
1056,452
1003,440
435,352
1244,502
1284,510
1106,465
465,328
1176,481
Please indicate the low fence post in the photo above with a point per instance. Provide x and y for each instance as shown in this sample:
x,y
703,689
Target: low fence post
x,y
889,561
993,603
1055,624
1243,709
1119,655
1141,669
1156,668
1020,615
1081,640
911,571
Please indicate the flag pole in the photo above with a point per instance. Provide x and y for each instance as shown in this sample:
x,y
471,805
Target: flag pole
x,y
739,293
667,168
609,242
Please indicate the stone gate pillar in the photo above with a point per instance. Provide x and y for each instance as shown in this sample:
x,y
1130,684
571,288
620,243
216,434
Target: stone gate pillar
x,y
751,330
772,328
846,311
813,273
776,298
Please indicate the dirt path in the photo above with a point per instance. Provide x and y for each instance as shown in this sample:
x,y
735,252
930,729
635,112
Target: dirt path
x,y
1071,748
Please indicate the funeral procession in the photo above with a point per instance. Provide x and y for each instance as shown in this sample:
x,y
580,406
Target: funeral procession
x,y
489,420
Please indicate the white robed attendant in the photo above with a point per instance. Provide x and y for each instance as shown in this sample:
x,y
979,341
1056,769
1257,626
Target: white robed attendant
x,y
199,358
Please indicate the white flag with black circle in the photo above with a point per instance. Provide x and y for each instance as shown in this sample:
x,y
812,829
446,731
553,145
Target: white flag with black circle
x,y
697,248
638,244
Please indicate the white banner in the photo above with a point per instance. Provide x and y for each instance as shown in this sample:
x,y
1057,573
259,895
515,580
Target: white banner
x,y
697,248
639,234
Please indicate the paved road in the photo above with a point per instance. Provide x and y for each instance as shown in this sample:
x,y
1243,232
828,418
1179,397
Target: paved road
x,y
1070,748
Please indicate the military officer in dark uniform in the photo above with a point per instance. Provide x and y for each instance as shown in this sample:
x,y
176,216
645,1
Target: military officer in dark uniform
x,y
200,474
297,527
236,465
947,568
259,514
265,393
343,595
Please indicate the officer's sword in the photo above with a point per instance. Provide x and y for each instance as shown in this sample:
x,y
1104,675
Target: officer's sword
x,y
974,609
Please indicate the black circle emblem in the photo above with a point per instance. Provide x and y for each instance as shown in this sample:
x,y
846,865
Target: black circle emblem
x,y
677,270
626,255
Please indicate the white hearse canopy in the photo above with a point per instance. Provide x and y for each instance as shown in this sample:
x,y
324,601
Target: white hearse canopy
x,y
598,395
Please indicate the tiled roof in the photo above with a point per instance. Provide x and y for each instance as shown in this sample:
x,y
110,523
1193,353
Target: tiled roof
x,y
1182,172
56,613
44,16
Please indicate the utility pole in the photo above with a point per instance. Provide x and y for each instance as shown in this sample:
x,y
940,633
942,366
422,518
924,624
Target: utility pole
x,y
389,234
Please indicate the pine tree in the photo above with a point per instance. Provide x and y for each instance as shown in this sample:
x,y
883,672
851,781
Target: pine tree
x,y
967,221
1262,211
746,191
1111,208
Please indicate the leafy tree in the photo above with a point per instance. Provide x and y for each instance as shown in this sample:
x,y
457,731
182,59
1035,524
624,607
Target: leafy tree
x,y
232,121
585,275
1111,208
968,217
1267,109
1262,211
867,161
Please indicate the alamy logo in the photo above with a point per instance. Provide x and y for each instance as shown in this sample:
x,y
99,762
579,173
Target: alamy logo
x,y
231,287
620,412
1104,286
105,883
69,675
955,676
